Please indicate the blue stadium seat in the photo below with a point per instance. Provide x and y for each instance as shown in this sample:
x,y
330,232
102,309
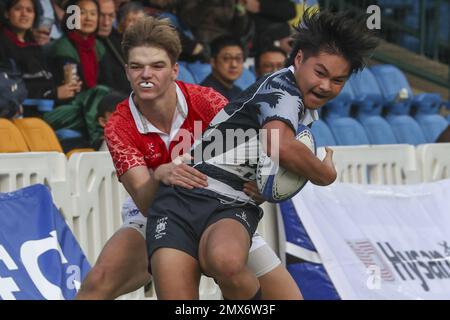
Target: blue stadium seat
x,y
322,134
199,70
378,130
368,102
246,79
71,139
427,106
406,129
398,100
252,69
427,103
43,105
395,88
407,41
339,106
185,75
67,134
347,131
432,126
367,95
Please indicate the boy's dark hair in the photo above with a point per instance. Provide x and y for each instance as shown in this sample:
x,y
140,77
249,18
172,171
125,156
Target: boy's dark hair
x,y
110,102
222,42
265,50
343,33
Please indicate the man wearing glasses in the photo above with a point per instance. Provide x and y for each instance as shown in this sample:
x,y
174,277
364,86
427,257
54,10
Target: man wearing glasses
x,y
227,62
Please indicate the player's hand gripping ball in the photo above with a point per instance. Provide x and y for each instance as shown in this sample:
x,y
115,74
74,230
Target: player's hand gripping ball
x,y
276,183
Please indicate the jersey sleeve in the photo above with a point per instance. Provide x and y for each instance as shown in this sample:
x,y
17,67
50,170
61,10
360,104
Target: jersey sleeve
x,y
278,98
279,105
211,103
122,146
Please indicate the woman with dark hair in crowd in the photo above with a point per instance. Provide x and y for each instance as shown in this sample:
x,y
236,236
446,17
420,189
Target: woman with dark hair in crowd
x,y
21,53
78,50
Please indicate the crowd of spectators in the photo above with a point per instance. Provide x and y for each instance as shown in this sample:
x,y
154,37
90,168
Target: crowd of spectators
x,y
51,56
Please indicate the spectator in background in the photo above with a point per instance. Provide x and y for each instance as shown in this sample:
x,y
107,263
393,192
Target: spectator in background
x,y
271,22
12,92
269,60
128,14
211,19
80,47
111,39
105,109
276,35
106,18
192,48
26,56
9,109
48,27
119,3
227,63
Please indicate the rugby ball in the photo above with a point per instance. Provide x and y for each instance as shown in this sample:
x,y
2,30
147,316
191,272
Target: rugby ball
x,y
274,182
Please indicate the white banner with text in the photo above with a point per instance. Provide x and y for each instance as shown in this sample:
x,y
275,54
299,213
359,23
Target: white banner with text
x,y
381,242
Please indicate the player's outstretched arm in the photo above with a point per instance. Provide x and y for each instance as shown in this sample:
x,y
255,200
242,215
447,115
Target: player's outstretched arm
x,y
297,158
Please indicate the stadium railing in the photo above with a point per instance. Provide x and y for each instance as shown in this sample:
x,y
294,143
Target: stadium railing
x,y
87,192
376,164
97,198
18,170
434,161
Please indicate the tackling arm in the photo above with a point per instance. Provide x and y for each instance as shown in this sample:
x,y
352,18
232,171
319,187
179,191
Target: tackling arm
x,y
141,185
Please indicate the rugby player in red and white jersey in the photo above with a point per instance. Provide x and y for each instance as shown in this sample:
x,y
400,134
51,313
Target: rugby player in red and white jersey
x,y
142,134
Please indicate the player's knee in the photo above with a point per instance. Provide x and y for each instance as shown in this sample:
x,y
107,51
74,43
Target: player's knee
x,y
222,264
97,283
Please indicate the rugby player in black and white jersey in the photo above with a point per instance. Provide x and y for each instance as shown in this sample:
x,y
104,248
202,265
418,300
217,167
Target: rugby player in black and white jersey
x,y
214,225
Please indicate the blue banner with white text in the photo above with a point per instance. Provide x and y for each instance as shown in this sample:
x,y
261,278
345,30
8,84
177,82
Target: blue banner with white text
x,y
39,256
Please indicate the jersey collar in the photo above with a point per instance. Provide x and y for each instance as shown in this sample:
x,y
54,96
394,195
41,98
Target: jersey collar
x,y
144,126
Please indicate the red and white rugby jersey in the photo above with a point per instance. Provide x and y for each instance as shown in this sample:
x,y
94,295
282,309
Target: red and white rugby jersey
x,y
129,148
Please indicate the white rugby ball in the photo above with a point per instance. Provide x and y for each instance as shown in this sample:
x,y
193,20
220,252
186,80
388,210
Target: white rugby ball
x,y
274,182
